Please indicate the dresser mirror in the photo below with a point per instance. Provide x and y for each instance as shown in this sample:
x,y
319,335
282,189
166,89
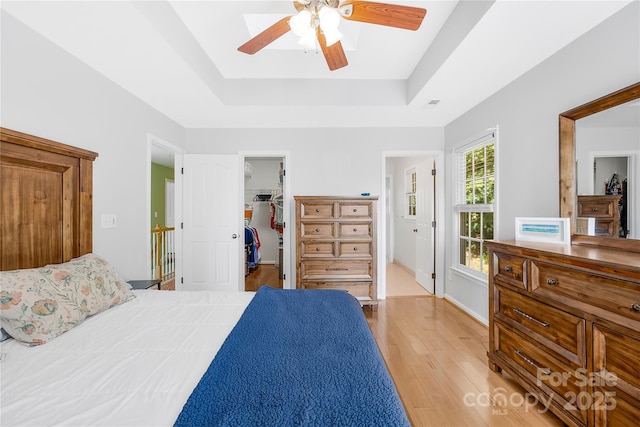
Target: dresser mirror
x,y
603,133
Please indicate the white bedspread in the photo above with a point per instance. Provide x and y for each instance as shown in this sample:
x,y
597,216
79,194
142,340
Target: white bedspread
x,y
133,365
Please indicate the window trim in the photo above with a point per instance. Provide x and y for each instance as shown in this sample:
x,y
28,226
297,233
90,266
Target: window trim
x,y
410,180
459,204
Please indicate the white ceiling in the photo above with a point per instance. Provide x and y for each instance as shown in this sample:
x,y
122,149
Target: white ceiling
x,y
181,58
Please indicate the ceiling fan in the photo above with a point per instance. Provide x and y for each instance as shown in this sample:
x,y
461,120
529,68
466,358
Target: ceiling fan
x,y
319,20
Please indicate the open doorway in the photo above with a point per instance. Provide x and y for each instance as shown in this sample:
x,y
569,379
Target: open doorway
x,y
410,252
613,176
161,197
413,237
265,217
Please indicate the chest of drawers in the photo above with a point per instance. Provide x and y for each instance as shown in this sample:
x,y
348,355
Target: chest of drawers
x,y
336,245
564,321
605,211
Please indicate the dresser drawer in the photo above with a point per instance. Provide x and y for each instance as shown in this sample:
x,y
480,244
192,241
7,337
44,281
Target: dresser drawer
x,y
597,208
614,410
510,269
560,331
354,249
566,383
355,230
605,228
357,289
615,361
355,210
316,230
346,270
316,249
316,210
612,299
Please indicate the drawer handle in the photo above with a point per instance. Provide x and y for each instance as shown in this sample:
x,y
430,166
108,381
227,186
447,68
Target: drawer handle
x,y
355,210
355,249
530,362
508,269
317,230
317,249
355,229
594,209
336,269
635,307
317,210
529,317
552,282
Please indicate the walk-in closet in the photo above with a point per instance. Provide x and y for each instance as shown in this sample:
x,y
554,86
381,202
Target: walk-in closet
x,y
263,221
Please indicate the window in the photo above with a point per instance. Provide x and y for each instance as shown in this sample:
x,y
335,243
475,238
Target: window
x,y
475,201
410,186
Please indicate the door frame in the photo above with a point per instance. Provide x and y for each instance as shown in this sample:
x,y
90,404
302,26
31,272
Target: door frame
x,y
633,166
439,212
289,282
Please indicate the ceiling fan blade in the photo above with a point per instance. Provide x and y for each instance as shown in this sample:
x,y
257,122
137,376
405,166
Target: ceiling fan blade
x,y
334,54
391,15
272,33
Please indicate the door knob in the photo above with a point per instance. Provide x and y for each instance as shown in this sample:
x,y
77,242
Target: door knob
x,y
234,236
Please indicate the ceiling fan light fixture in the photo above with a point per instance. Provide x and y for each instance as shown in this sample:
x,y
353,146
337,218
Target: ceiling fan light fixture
x,y
329,21
332,36
329,17
317,21
301,23
308,40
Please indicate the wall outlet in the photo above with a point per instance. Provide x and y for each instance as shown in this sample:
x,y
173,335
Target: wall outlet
x,y
108,220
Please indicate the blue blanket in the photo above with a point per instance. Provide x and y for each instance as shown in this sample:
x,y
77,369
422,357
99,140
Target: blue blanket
x,y
297,357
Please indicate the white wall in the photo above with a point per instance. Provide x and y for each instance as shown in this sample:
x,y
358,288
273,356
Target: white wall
x,y
48,93
602,61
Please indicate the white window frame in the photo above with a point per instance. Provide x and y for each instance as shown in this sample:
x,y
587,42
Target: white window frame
x,y
481,139
409,183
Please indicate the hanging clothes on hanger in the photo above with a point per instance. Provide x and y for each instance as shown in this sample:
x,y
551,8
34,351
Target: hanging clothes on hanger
x,y
252,245
614,186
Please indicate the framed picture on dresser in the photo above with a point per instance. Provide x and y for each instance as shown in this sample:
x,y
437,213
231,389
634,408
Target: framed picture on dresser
x,y
550,230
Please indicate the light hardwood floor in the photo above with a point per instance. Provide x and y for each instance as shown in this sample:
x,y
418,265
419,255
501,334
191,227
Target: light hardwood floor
x,y
402,282
436,355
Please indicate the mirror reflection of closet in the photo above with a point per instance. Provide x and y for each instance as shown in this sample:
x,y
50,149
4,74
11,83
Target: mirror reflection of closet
x,y
604,169
263,200
611,178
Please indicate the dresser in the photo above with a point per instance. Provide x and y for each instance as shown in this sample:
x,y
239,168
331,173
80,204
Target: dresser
x,y
336,245
564,321
605,211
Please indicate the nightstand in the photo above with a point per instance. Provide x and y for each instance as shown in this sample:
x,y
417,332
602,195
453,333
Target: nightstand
x,y
144,284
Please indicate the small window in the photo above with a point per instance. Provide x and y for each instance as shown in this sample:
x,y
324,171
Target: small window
x,y
410,185
475,202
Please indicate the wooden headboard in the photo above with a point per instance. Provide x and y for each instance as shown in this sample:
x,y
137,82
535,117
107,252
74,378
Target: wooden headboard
x,y
46,201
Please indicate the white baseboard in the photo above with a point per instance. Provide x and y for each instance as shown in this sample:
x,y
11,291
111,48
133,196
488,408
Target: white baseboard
x,y
467,310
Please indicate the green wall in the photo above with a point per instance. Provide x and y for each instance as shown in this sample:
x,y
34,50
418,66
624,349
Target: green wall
x,y
159,174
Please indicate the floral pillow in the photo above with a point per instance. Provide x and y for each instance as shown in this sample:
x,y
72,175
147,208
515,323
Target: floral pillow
x,y
89,283
38,304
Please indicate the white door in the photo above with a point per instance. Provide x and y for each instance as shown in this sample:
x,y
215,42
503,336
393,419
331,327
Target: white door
x,y
425,265
211,233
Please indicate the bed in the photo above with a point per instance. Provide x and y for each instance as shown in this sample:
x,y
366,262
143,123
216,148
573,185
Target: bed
x,y
94,352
